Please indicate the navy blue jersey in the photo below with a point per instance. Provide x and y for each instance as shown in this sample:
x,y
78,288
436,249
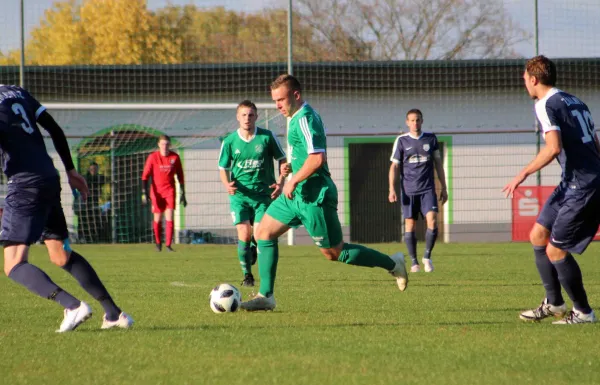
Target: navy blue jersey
x,y
25,159
415,157
579,158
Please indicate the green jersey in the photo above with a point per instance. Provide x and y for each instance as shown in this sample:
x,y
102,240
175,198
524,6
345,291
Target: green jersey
x,y
251,161
306,136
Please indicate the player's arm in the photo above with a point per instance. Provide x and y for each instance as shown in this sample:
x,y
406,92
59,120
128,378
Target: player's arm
x,y
181,180
225,160
312,164
145,179
229,184
392,175
546,155
439,169
61,145
396,160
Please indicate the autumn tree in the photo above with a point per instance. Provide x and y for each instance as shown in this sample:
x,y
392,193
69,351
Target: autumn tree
x,y
414,29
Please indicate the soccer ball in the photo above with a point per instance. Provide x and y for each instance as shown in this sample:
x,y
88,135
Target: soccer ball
x,y
225,298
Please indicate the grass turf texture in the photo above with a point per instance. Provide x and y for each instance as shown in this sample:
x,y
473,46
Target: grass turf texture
x,y
334,324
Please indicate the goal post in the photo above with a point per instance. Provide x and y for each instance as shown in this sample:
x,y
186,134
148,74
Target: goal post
x,y
117,138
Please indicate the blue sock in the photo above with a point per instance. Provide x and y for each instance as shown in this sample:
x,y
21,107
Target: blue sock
x,y
411,245
569,275
39,283
430,237
85,274
549,276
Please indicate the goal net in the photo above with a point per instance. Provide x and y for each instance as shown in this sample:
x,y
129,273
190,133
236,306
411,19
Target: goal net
x,y
110,144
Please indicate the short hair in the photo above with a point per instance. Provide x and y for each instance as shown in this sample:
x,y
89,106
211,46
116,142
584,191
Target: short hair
x,y
94,164
543,69
288,80
164,137
414,111
247,103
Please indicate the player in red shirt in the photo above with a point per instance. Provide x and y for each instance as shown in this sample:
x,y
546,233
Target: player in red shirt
x,y
162,166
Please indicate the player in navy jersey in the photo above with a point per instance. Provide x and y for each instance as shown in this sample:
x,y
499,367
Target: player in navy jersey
x,y
571,216
33,210
415,156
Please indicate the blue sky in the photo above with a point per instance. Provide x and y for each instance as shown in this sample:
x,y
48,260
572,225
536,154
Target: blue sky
x,y
567,28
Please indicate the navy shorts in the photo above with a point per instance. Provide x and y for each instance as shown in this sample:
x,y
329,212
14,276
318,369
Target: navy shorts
x,y
423,203
572,216
33,213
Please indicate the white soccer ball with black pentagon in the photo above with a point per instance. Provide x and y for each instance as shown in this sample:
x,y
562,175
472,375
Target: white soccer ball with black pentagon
x,y
225,298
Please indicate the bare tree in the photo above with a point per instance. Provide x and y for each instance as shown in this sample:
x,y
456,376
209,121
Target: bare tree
x,y
413,29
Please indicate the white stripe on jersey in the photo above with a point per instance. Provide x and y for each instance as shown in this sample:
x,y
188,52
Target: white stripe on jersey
x,y
392,159
542,114
221,153
39,112
303,123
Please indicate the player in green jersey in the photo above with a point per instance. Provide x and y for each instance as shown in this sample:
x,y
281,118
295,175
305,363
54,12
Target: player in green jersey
x,y
309,198
247,172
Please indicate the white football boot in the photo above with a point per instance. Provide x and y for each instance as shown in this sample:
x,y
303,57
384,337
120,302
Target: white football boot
x,y
399,271
428,265
74,318
545,310
576,317
124,322
258,303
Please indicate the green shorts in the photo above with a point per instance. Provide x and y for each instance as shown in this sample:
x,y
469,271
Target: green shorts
x,y
245,208
319,218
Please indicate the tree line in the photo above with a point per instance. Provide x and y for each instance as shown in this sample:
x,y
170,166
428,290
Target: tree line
x,y
121,32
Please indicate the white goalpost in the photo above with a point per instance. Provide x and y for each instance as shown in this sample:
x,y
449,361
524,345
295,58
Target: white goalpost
x,y
119,136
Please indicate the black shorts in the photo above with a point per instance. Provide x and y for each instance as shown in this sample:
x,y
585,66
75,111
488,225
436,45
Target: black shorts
x,y
422,203
32,213
572,216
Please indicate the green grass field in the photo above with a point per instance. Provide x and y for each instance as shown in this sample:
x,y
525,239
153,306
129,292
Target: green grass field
x,y
334,324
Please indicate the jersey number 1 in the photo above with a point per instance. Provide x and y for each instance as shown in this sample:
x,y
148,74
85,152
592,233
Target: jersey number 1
x,y
586,124
20,111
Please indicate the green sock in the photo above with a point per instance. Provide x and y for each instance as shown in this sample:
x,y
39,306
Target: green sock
x,y
268,256
244,257
363,256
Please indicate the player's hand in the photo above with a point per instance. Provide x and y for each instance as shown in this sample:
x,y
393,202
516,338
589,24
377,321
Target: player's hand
x,y
288,189
183,201
231,189
392,197
443,196
277,189
285,169
78,183
510,188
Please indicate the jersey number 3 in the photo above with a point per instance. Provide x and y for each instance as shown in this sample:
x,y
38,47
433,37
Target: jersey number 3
x,y
586,124
20,111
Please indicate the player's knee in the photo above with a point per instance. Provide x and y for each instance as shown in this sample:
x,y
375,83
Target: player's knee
x,y
59,257
538,236
332,254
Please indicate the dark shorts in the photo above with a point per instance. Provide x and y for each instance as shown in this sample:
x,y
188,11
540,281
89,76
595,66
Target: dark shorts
x,y
33,213
572,216
423,203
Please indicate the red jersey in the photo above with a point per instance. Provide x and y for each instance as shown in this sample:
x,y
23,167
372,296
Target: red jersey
x,y
163,169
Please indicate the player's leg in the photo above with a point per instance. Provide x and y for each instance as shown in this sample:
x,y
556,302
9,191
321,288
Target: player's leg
x,y
244,231
574,229
55,237
277,220
410,216
429,210
242,215
169,216
553,305
21,227
159,205
323,225
169,228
